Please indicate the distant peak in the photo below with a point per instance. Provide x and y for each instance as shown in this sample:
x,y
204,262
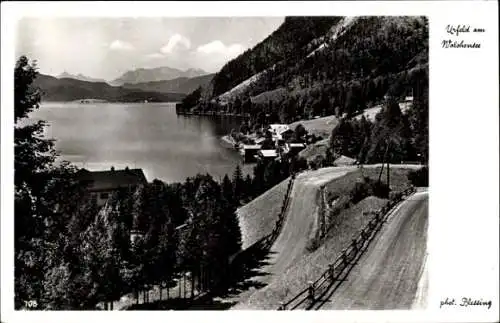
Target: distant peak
x,y
64,74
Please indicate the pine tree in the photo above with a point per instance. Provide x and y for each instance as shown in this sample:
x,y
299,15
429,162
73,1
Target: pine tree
x,y
227,190
237,184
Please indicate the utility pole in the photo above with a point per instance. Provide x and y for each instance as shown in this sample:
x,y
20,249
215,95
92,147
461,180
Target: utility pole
x,y
388,185
384,160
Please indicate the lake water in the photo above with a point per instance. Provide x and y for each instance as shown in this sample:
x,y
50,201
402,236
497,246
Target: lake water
x,y
149,136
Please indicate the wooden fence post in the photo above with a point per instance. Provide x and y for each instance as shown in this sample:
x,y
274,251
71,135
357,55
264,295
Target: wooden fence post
x,y
310,291
355,246
344,259
184,276
331,272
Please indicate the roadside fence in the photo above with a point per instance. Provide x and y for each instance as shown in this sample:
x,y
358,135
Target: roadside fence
x,y
310,295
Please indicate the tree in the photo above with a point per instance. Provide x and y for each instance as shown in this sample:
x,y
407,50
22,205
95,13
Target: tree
x,y
102,255
238,184
227,190
341,138
299,133
248,187
33,159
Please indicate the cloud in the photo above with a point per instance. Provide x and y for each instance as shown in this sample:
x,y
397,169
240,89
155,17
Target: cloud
x,y
176,41
154,56
121,45
213,55
218,47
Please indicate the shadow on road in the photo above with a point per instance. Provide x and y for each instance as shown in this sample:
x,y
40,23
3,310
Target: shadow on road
x,y
239,279
243,271
202,303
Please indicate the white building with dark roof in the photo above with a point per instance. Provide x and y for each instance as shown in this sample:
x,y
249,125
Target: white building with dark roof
x,y
101,184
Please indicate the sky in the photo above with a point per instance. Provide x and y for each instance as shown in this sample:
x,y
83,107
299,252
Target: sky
x,y
107,47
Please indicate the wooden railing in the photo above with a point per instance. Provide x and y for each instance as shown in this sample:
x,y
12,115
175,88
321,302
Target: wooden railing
x,y
309,296
267,241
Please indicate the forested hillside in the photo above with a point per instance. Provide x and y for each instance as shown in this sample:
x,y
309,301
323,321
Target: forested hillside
x,y
183,85
354,69
321,66
286,43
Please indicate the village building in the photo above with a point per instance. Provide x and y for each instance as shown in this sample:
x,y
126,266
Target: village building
x,y
101,184
294,148
249,152
277,130
408,99
267,154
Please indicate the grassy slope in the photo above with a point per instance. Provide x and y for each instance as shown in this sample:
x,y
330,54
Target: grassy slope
x,y
317,149
311,265
319,127
257,218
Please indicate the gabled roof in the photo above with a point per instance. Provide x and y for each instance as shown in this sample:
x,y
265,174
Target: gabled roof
x,y
268,153
296,145
111,179
251,147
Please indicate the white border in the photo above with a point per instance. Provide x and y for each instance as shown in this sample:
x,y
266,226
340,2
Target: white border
x,y
463,228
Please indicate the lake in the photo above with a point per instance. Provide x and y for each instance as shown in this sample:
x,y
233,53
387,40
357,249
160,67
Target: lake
x,y
141,135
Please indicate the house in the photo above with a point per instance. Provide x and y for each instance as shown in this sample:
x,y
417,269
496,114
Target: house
x,y
294,148
249,151
277,129
101,184
267,154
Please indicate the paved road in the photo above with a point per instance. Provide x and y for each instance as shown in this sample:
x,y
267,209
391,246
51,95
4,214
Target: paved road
x,y
392,273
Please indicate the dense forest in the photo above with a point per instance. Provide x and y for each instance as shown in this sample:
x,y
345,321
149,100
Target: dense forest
x,y
183,85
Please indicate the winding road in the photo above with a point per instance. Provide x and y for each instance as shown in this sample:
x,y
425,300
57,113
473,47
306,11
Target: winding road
x,y
392,274
299,226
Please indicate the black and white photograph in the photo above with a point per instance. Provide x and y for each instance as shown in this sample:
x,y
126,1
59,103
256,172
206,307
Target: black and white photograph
x,y
184,163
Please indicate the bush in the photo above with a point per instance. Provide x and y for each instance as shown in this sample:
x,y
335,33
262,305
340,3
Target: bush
x,y
380,189
360,191
367,187
419,177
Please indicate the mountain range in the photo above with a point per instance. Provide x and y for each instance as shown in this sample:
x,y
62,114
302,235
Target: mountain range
x,y
165,73
79,77
178,85
69,89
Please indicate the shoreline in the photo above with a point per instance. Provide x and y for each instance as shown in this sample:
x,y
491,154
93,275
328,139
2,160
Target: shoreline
x,y
226,139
